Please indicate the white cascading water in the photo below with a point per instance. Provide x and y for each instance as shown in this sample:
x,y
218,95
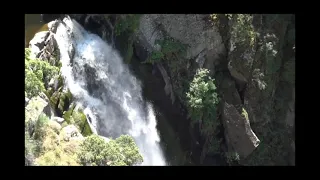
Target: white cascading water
x,y
104,86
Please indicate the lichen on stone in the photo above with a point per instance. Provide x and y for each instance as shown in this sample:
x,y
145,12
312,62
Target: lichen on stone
x,y
245,114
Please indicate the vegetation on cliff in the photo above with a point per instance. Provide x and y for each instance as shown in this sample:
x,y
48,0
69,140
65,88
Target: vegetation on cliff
x,y
119,152
265,44
67,139
37,75
125,28
259,47
171,49
202,101
259,64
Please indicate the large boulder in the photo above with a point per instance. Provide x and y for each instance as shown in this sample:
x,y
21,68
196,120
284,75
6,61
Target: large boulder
x,y
239,135
37,43
36,106
70,132
44,46
58,119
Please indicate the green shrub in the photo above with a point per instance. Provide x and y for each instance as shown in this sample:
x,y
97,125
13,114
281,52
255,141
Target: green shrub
x,y
202,101
120,152
129,149
169,46
33,86
37,74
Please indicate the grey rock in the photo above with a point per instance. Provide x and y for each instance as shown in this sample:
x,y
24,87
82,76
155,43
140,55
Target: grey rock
x,y
36,106
239,135
37,43
53,26
58,119
71,132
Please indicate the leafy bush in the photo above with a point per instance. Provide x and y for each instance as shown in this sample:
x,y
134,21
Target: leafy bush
x,y
243,29
202,100
120,152
38,74
169,46
33,86
129,149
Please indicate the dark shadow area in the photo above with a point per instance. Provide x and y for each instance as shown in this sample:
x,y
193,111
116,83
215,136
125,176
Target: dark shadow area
x,y
173,125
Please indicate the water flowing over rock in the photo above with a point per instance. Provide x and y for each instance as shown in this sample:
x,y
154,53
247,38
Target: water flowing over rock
x,y
110,94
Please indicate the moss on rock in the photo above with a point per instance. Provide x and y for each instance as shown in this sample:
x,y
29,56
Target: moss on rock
x,y
81,122
64,100
54,99
68,114
55,151
60,100
49,92
78,118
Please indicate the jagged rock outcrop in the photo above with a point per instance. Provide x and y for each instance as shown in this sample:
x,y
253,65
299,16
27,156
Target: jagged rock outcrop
x,y
37,43
36,106
204,45
44,46
261,60
239,135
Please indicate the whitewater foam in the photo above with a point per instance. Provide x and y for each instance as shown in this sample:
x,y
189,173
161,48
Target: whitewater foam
x,y
110,94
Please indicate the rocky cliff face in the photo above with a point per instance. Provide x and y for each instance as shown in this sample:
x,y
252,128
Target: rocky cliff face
x,y
252,58
261,53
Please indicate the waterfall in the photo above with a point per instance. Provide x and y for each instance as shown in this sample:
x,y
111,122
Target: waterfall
x,y
110,95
